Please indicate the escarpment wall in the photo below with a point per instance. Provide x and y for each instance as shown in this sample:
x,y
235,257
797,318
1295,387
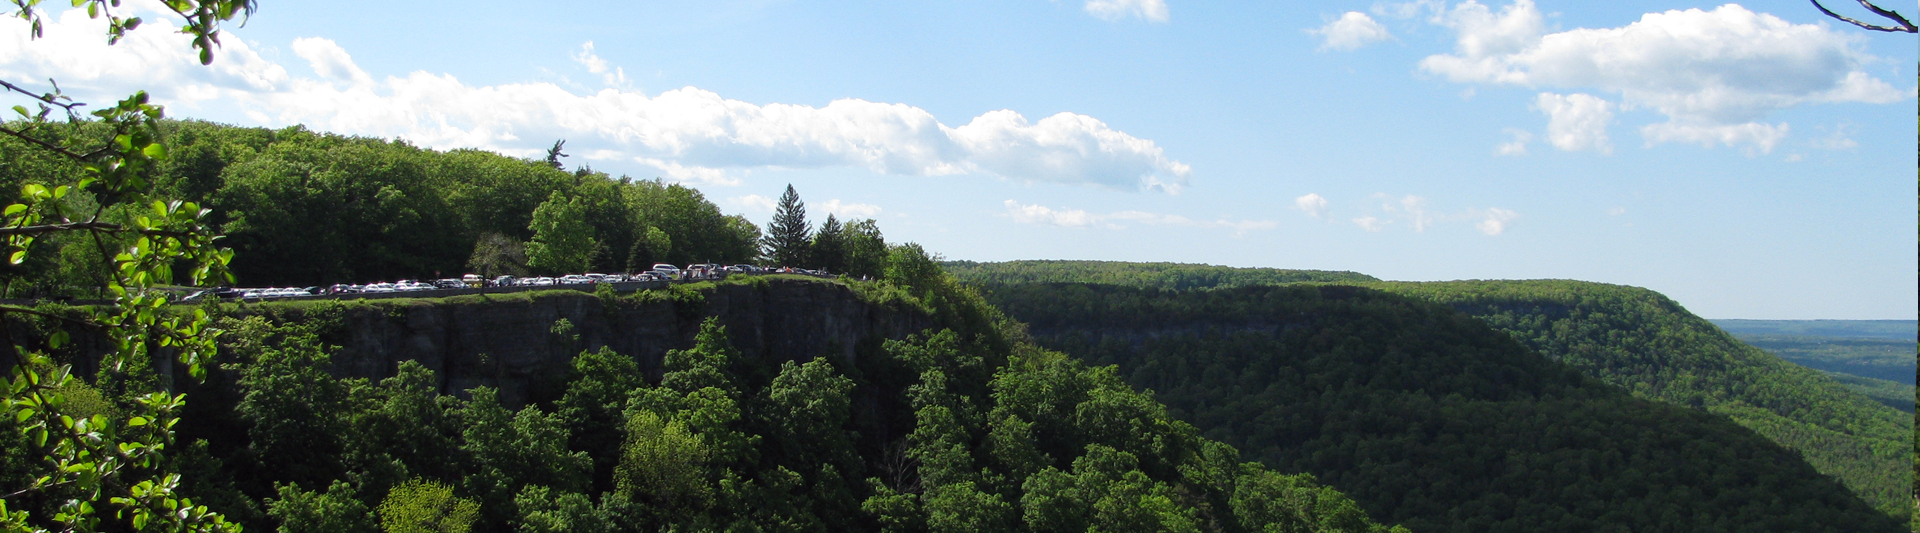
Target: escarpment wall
x,y
508,342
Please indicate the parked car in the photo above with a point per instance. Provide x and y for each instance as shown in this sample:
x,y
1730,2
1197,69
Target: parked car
x,y
505,281
667,271
575,279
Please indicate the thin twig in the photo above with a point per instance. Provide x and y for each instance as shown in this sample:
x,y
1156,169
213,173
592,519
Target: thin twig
x,y
43,144
43,97
31,311
108,227
1904,27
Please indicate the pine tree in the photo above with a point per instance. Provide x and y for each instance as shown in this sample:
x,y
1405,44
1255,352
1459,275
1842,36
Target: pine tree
x,y
788,234
830,246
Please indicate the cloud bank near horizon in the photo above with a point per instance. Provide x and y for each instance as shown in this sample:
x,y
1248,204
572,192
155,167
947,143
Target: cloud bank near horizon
x,y
689,134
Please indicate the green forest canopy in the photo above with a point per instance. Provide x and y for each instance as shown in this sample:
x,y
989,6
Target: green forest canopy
x,y
966,427
1429,418
1644,342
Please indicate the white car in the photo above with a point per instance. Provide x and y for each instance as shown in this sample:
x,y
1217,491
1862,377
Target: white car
x,y
666,270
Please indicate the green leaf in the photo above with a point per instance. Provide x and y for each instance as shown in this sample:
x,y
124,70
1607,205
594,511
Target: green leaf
x,y
19,256
16,209
57,339
155,150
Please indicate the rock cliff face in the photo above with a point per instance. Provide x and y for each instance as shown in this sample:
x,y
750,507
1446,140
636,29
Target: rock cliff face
x,y
509,341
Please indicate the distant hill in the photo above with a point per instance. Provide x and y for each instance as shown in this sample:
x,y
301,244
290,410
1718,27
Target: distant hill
x,y
1857,329
1428,417
1640,340
1180,276
1872,357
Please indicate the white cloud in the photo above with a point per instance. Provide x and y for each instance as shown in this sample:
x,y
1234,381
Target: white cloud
x,y
689,134
1078,218
848,210
1113,10
1350,32
1040,214
754,202
1617,211
1313,204
1414,211
1493,220
1840,139
330,61
613,76
1714,74
1416,208
1755,135
1577,122
1517,146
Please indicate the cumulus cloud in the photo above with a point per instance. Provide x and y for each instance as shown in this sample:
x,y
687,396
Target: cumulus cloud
x,y
1518,143
1370,223
1313,204
689,134
848,210
1350,32
330,61
1577,122
1079,218
1715,75
1113,10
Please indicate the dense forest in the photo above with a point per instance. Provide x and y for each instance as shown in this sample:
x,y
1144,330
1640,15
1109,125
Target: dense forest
x,y
967,428
390,210
1881,369
1646,343
1428,417
1649,345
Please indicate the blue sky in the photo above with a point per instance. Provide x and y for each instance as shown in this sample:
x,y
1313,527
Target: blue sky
x,y
1749,160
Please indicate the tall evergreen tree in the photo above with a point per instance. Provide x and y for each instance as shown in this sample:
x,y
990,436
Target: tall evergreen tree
x,y
788,234
830,246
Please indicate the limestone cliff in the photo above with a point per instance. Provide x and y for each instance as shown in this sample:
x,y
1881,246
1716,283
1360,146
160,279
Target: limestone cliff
x,y
508,340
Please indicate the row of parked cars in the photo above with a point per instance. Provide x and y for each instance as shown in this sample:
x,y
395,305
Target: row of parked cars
x,y
659,272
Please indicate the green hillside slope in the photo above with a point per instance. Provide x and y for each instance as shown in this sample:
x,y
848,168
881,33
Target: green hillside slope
x,y
1642,341
1428,417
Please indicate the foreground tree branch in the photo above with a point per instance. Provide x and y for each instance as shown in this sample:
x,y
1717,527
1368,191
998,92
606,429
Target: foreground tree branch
x,y
1905,26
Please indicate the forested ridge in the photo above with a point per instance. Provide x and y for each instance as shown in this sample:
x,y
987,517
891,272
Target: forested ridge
x,y
1649,345
1644,342
303,208
965,427
1428,417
